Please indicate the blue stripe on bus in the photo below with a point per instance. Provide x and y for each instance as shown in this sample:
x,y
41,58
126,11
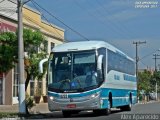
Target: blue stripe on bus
x,y
104,93
72,95
117,92
118,96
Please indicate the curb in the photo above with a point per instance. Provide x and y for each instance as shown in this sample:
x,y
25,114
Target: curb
x,y
148,102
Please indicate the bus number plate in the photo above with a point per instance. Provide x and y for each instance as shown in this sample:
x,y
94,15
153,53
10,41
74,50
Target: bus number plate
x,y
71,106
64,96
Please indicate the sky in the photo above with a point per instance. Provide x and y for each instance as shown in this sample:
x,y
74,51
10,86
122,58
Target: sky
x,y
118,22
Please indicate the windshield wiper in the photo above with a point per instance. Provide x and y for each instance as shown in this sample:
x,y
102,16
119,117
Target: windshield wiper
x,y
91,87
80,90
64,81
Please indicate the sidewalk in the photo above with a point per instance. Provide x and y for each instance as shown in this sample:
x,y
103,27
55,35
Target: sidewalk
x,y
39,108
146,102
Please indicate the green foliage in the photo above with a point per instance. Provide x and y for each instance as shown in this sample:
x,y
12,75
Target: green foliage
x,y
147,81
33,43
8,115
8,51
33,63
144,81
29,102
156,78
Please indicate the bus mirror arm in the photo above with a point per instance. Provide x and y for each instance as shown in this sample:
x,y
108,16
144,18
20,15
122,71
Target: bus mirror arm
x,y
41,65
99,62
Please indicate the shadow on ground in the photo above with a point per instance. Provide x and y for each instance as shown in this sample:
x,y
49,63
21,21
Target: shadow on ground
x,y
55,115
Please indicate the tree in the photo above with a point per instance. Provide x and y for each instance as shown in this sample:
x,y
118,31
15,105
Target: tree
x,y
156,78
8,51
33,41
144,81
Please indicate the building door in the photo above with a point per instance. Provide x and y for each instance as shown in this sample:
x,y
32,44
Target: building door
x,y
1,91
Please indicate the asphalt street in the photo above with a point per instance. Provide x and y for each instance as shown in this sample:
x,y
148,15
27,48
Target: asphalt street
x,y
139,112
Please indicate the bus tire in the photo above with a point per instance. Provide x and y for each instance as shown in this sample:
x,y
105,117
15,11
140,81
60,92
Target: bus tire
x,y
97,112
127,107
66,114
108,110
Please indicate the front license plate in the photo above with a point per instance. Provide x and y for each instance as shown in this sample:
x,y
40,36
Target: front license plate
x,y
71,106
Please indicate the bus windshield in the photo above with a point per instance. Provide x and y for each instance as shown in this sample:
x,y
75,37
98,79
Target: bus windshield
x,y
73,71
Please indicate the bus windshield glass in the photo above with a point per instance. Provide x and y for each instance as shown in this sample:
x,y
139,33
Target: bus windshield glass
x,y
73,71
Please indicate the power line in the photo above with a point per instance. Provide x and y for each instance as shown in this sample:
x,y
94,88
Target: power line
x,y
46,19
144,64
149,54
61,21
97,18
155,58
137,58
29,18
35,22
117,25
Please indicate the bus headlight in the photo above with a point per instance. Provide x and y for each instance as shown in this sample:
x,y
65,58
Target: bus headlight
x,y
51,98
94,95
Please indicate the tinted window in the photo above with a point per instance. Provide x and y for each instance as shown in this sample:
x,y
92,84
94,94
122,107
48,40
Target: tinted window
x,y
120,63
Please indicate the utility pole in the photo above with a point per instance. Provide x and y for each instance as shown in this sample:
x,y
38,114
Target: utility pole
x,y
155,58
137,58
22,105
156,91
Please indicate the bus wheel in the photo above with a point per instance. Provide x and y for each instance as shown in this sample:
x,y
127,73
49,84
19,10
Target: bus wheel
x,y
97,112
108,110
66,114
129,107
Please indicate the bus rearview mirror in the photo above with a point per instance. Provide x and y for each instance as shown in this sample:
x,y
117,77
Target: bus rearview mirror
x,y
41,65
99,62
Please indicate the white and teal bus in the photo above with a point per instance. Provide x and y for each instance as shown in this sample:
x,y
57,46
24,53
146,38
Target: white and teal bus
x,y
90,75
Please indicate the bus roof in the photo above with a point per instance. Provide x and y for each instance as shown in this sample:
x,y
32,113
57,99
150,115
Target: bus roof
x,y
86,45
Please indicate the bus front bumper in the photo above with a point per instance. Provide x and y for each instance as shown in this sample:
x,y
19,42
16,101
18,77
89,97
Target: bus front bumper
x,y
74,104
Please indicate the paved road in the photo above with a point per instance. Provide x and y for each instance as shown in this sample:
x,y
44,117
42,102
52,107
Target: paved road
x,y
149,108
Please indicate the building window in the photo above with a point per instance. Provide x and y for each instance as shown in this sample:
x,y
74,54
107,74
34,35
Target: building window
x,y
52,45
15,82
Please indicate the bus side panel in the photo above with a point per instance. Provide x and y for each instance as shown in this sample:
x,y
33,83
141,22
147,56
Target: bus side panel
x,y
120,97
